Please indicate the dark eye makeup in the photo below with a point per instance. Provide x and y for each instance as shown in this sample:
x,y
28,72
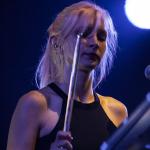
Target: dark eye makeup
x,y
101,35
87,31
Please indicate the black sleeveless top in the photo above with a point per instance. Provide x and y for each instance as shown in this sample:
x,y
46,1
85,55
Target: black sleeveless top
x,y
89,127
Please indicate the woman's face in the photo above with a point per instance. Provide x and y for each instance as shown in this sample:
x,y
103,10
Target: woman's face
x,y
92,46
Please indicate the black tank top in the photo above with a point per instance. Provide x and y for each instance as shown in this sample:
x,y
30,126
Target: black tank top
x,y
89,127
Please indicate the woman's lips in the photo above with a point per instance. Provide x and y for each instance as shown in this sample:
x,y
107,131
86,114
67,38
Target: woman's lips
x,y
92,56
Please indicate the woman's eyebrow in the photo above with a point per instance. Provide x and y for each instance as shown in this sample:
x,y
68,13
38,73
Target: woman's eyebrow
x,y
87,30
102,30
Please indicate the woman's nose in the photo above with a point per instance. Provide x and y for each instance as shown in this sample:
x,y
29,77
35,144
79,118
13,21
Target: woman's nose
x,y
92,42
93,45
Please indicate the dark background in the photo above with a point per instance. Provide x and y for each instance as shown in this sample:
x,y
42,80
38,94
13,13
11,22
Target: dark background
x,y
23,37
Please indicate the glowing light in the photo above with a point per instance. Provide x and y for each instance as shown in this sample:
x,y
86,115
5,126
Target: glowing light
x,y
138,13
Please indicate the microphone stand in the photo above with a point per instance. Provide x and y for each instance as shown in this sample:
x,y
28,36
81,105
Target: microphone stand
x,y
72,85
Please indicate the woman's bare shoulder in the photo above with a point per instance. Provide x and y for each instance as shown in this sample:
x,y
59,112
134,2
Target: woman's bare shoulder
x,y
26,120
115,110
34,99
31,105
39,97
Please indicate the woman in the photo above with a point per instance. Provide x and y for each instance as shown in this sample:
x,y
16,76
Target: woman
x,y
38,120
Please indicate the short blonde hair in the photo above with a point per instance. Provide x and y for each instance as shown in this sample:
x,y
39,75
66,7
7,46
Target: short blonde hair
x,y
51,65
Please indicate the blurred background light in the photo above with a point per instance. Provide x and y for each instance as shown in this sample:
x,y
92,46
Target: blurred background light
x,y
138,13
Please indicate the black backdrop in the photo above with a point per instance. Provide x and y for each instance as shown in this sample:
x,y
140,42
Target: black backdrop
x,y
23,36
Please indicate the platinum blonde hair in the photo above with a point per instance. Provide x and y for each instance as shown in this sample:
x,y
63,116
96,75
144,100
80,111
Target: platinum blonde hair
x,y
51,65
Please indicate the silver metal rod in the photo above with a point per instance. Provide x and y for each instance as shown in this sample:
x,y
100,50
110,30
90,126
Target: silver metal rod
x,y
72,85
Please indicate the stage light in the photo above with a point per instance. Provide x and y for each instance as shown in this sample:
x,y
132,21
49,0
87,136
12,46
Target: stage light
x,y
138,13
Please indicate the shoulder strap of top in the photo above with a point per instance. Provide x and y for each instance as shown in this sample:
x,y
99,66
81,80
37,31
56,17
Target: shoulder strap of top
x,y
58,90
63,95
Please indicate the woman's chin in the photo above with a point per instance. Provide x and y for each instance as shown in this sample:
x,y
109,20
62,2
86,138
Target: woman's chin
x,y
87,67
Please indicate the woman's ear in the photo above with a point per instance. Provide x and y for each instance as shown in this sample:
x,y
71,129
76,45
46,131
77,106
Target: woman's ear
x,y
53,41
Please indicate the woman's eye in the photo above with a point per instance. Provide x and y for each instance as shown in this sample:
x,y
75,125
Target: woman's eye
x,y
101,35
87,31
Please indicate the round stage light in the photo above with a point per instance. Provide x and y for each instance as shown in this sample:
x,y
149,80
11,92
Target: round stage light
x,y
138,13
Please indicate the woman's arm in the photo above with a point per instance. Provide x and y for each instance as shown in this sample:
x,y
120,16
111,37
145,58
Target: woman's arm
x,y
26,122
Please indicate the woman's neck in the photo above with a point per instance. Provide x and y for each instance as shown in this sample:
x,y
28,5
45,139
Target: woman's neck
x,y
84,86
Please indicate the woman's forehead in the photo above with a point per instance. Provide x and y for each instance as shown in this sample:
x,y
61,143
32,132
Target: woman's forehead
x,y
91,19
100,20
